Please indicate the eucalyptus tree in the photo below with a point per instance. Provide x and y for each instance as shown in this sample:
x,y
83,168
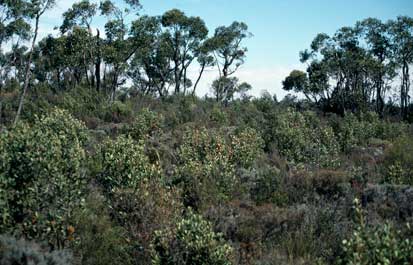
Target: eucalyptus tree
x,y
205,59
185,36
51,60
378,40
118,49
401,31
150,68
226,88
80,16
14,22
36,10
229,51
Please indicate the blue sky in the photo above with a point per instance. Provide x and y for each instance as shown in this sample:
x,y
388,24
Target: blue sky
x,y
280,28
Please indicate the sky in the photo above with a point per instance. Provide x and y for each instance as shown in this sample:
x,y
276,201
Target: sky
x,y
281,29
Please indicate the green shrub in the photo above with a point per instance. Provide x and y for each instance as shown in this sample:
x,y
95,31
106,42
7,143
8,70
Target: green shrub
x,y
122,163
246,146
42,176
95,239
356,131
301,138
208,161
145,124
382,244
117,112
398,162
22,252
143,211
191,242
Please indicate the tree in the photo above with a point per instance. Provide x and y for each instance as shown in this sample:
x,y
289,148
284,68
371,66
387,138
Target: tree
x,y
185,35
225,88
150,67
379,46
227,43
13,22
117,49
37,9
401,31
81,15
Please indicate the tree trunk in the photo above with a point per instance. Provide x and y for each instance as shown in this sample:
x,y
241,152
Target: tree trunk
x,y
27,73
198,79
98,62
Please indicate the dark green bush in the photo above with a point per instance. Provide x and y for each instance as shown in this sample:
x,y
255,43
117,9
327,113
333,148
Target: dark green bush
x,y
398,162
95,239
122,163
382,244
192,241
42,175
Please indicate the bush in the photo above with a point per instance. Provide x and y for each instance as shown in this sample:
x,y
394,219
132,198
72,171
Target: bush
x,y
146,123
42,178
117,112
398,162
122,163
301,138
96,240
383,244
191,242
151,207
208,160
22,252
356,131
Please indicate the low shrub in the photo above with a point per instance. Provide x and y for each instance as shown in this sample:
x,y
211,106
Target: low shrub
x,y
192,241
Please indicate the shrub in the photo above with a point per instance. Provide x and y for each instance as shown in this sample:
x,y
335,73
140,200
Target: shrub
x,y
122,163
22,252
383,244
151,207
146,123
356,131
117,112
398,162
205,168
208,160
191,242
301,138
97,240
247,146
42,175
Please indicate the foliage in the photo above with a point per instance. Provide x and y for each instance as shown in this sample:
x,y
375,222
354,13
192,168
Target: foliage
x,y
383,244
208,161
143,211
22,252
146,124
42,175
356,131
399,162
96,240
192,241
301,138
122,163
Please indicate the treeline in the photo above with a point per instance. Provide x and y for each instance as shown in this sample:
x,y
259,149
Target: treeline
x,y
150,55
357,67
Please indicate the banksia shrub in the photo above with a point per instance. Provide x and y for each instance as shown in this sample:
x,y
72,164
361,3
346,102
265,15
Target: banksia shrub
x,y
42,175
122,163
192,241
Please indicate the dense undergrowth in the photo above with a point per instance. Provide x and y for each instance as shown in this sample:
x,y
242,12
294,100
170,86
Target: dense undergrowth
x,y
191,181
